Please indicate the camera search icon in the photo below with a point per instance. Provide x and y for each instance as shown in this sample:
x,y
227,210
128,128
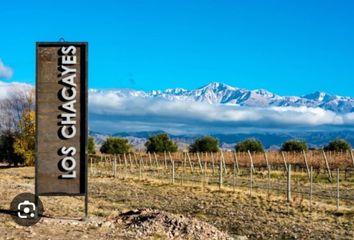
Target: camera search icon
x,y
27,209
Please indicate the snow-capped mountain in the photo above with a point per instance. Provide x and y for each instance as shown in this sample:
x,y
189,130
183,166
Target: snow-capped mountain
x,y
220,93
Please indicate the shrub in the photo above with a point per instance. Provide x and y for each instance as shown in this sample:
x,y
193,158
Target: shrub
x,y
160,143
294,146
251,144
115,145
91,145
204,144
338,145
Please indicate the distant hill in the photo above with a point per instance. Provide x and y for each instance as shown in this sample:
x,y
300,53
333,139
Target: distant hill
x,y
228,141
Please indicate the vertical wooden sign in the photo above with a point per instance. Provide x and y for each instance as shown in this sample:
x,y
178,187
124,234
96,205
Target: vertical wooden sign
x,y
61,119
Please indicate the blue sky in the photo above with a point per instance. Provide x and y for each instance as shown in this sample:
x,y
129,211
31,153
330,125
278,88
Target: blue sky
x,y
288,47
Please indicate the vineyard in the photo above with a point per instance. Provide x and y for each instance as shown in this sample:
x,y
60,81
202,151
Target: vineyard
x,y
315,175
317,159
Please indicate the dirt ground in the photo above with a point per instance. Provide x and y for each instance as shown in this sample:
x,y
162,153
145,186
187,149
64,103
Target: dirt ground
x,y
234,213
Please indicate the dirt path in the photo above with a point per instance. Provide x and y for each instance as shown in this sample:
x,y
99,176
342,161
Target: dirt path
x,y
233,212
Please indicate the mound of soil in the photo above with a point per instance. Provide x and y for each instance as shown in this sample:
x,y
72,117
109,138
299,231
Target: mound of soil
x,y
150,223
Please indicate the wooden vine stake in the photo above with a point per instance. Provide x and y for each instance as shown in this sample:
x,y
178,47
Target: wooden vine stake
x,y
306,163
327,166
251,159
284,160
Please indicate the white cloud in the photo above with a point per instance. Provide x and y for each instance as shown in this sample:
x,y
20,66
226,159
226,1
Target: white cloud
x,y
5,71
159,114
110,112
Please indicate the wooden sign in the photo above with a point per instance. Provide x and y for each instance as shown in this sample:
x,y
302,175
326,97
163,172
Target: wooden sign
x,y
61,119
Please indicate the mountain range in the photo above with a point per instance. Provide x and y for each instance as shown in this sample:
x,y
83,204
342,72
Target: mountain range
x,y
220,93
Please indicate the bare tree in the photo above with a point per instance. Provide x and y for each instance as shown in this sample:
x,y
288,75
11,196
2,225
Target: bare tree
x,y
12,107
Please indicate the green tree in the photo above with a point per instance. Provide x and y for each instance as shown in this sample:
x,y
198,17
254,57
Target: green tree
x,y
160,143
25,141
294,146
115,145
91,145
251,144
338,145
205,144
